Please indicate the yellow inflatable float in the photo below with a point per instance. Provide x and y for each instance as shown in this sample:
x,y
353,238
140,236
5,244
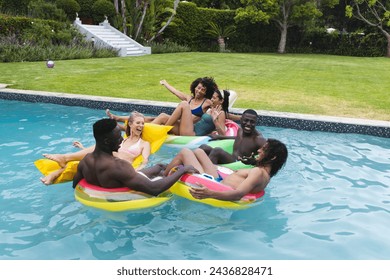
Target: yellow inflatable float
x,y
153,133
118,199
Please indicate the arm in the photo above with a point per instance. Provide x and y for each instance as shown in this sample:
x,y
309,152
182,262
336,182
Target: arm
x,y
253,180
234,117
139,182
176,92
145,155
220,137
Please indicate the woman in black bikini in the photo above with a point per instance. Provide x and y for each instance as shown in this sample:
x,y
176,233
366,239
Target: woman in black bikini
x,y
199,101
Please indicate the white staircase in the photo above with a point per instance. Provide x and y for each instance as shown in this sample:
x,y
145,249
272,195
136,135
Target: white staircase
x,y
106,36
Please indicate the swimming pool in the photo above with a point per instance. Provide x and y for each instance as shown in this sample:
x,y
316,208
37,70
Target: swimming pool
x,y
331,201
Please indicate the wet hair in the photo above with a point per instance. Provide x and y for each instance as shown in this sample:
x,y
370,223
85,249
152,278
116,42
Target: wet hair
x,y
275,154
224,94
208,83
130,120
251,112
102,128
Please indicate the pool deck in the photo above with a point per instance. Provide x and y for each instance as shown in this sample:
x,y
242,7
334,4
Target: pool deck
x,y
266,118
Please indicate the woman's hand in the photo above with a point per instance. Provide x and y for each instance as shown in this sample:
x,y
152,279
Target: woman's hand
x,y
78,144
215,112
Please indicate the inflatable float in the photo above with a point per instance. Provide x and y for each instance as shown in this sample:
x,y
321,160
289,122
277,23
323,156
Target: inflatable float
x,y
153,133
117,199
193,142
182,188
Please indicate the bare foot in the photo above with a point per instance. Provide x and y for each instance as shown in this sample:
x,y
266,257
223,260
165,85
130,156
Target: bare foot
x,y
49,179
78,144
60,159
109,114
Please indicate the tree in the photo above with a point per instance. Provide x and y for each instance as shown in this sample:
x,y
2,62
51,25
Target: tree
x,y
141,19
172,12
375,13
220,33
284,13
70,7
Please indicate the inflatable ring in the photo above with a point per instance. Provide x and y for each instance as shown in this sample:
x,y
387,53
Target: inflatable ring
x,y
117,199
153,133
192,142
182,188
231,128
227,145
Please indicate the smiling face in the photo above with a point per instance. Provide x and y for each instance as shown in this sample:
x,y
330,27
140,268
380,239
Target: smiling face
x,y
137,126
216,99
248,123
200,90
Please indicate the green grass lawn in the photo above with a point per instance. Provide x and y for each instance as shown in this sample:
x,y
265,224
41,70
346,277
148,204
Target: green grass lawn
x,y
315,84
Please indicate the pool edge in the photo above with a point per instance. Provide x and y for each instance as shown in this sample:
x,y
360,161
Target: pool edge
x,y
266,118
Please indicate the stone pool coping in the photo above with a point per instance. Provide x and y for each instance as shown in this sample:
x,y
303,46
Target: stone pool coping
x,y
266,118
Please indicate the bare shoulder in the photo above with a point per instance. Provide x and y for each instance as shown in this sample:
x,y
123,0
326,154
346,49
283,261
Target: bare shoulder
x,y
145,143
260,139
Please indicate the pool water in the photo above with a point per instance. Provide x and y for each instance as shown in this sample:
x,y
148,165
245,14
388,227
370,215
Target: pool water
x,y
331,201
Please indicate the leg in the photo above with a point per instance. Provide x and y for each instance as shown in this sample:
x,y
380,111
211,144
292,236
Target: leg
x,y
115,117
207,165
149,119
161,119
206,148
49,179
154,171
62,159
218,155
184,157
182,116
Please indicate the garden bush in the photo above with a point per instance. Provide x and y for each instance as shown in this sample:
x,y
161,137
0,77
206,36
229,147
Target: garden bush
x,y
70,7
102,8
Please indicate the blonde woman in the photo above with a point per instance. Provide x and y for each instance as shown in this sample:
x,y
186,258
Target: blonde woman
x,y
131,148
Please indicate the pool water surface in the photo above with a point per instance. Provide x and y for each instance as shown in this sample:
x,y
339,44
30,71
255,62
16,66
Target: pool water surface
x,y
331,201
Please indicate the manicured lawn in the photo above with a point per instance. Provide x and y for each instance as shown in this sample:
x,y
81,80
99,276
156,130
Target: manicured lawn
x,y
315,84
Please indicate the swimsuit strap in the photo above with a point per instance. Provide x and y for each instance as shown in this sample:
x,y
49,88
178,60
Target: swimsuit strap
x,y
198,111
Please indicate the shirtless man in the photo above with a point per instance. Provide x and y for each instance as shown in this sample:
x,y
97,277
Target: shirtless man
x,y
246,143
101,168
271,158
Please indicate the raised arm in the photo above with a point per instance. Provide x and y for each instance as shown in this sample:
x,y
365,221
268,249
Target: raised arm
x,y
179,94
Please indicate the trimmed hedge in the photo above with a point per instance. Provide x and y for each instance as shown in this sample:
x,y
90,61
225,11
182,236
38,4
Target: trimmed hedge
x,y
189,25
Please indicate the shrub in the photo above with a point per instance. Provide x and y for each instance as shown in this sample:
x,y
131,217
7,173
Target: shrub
x,y
102,8
45,10
10,51
168,47
86,8
70,7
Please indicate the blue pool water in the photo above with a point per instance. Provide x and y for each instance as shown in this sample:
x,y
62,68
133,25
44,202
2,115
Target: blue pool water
x,y
331,201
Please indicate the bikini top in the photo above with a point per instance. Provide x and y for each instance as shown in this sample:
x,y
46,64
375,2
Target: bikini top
x,y
134,150
198,111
